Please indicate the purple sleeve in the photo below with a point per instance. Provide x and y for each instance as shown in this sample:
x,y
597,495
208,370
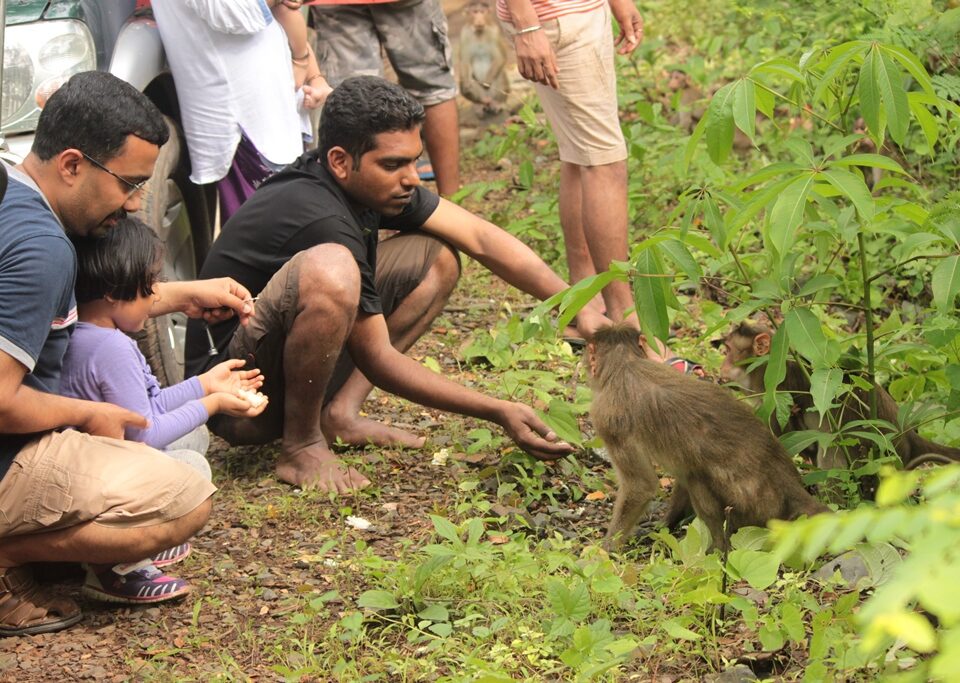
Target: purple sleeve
x,y
124,380
175,396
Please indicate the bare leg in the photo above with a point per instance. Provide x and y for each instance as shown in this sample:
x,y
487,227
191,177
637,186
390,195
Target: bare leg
x,y
579,260
441,133
92,542
601,227
329,289
412,318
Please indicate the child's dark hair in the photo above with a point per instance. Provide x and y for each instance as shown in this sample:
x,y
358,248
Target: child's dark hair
x,y
123,264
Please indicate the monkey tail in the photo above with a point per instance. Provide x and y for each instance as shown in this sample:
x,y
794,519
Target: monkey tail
x,y
920,445
927,458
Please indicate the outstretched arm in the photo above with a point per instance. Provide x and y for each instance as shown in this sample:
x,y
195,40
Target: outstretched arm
x,y
369,345
505,256
213,300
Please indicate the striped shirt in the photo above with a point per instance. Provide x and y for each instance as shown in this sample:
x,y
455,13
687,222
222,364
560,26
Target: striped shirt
x,y
550,9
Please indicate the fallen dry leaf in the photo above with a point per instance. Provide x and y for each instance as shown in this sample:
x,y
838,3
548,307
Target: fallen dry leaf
x,y
596,495
498,539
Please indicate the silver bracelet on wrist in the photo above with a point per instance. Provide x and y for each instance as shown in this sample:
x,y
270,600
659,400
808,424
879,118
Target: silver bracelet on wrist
x,y
528,29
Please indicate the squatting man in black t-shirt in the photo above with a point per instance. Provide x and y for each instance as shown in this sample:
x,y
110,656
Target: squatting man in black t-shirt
x,y
307,242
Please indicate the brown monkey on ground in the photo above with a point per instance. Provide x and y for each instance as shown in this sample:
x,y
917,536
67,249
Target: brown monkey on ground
x,y
751,340
713,444
482,58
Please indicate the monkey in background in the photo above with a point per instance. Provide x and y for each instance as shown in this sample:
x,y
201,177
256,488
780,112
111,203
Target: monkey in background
x,y
719,452
752,340
482,59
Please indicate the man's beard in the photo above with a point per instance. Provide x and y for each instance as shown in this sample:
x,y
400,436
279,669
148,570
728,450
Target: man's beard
x,y
112,219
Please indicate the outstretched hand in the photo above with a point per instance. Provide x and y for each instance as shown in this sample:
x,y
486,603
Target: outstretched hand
x,y
214,300
237,406
228,377
531,434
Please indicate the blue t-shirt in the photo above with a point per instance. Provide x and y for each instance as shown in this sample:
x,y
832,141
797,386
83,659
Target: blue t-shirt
x,y
38,267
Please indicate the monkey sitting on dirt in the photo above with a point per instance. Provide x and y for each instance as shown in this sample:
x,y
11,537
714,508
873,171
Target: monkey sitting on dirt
x,y
751,340
719,452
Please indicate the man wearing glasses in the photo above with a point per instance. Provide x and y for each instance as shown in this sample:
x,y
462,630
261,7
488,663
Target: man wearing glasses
x,y
80,495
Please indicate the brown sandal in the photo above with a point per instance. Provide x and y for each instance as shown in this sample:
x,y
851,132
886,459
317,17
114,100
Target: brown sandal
x,y
26,609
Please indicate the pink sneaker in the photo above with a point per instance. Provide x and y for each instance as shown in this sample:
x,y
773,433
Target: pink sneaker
x,y
171,555
133,584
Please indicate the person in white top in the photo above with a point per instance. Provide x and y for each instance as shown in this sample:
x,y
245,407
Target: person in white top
x,y
241,113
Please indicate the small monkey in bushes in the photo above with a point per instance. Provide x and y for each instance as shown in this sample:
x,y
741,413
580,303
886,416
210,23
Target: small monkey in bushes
x,y
751,340
719,452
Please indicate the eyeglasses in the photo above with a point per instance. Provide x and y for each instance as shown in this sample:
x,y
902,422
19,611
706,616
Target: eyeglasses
x,y
134,187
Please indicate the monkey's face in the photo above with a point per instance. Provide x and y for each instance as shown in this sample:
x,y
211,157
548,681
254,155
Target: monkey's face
x,y
478,16
737,352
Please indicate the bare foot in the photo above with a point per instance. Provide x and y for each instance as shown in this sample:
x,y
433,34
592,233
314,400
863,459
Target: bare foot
x,y
315,466
360,431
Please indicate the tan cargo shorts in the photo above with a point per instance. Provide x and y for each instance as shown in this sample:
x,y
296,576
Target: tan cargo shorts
x,y
583,111
67,478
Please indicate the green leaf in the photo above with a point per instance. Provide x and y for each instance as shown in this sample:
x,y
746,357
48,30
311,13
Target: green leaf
x,y
869,93
719,130
779,67
434,613
714,221
835,61
928,124
817,283
445,529
562,419
756,567
745,107
571,300
825,385
525,175
568,602
679,254
889,82
775,371
851,186
792,621
678,632
806,335
795,442
441,629
775,170
377,599
691,147
946,283
787,213
869,160
913,66
650,293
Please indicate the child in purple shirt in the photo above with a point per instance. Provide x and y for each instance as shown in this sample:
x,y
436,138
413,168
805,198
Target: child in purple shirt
x,y
115,292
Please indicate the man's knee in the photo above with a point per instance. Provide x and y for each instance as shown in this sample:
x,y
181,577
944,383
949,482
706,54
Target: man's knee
x,y
446,268
328,272
176,531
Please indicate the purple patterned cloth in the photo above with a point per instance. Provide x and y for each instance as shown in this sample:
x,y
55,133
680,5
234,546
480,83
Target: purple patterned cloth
x,y
247,171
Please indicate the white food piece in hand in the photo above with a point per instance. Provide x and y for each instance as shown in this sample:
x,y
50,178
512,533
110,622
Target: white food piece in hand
x,y
254,398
